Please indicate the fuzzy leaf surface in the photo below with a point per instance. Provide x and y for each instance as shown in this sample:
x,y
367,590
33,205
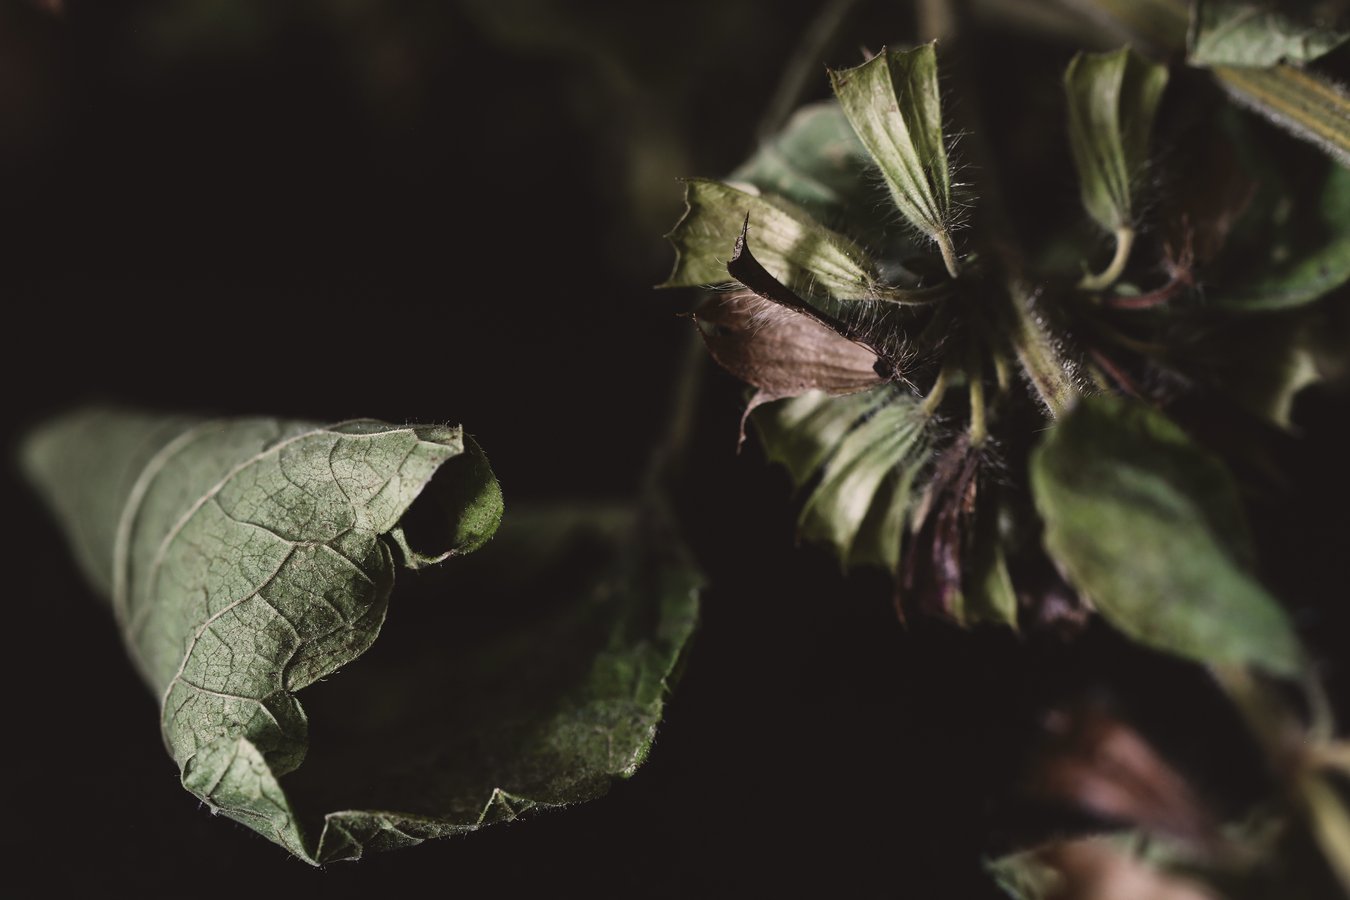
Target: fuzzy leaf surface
x,y
1112,98
895,106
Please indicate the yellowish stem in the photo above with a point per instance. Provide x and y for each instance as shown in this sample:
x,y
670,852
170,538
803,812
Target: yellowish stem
x,y
1108,276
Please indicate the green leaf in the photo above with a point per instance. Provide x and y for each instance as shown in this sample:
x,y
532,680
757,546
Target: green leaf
x,y
247,559
876,447
1306,104
893,103
799,252
1302,254
1148,526
817,162
1112,101
866,451
986,593
1244,33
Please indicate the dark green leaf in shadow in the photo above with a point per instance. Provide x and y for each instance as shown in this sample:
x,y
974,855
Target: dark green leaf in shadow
x,y
1300,253
1112,99
1148,526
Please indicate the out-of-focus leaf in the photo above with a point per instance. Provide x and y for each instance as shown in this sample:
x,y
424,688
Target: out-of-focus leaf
x,y
247,559
1304,103
1113,98
802,254
1097,763
1159,25
817,162
1301,253
1148,526
1112,867
1246,33
893,103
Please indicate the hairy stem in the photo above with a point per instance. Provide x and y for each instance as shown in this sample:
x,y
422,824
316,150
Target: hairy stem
x,y
944,241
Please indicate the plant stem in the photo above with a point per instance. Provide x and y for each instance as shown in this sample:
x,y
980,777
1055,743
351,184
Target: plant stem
x,y
1036,351
944,241
1108,276
806,58
934,398
1286,746
979,430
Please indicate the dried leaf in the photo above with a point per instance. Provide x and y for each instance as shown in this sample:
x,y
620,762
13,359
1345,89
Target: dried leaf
x,y
781,352
1101,765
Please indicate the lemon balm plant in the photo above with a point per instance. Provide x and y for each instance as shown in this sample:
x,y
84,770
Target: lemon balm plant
x,y
998,405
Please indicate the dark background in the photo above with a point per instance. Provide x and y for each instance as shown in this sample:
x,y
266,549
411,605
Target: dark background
x,y
429,211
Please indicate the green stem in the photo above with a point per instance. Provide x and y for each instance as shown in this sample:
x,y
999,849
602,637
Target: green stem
x,y
979,429
806,60
944,241
934,398
1287,748
1045,367
1108,276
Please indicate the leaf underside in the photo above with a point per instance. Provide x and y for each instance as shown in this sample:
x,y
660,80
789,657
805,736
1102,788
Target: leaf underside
x,y
248,558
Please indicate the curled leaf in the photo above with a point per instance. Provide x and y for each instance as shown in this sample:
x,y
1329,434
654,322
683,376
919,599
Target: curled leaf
x,y
893,103
1112,101
1148,526
247,559
781,352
